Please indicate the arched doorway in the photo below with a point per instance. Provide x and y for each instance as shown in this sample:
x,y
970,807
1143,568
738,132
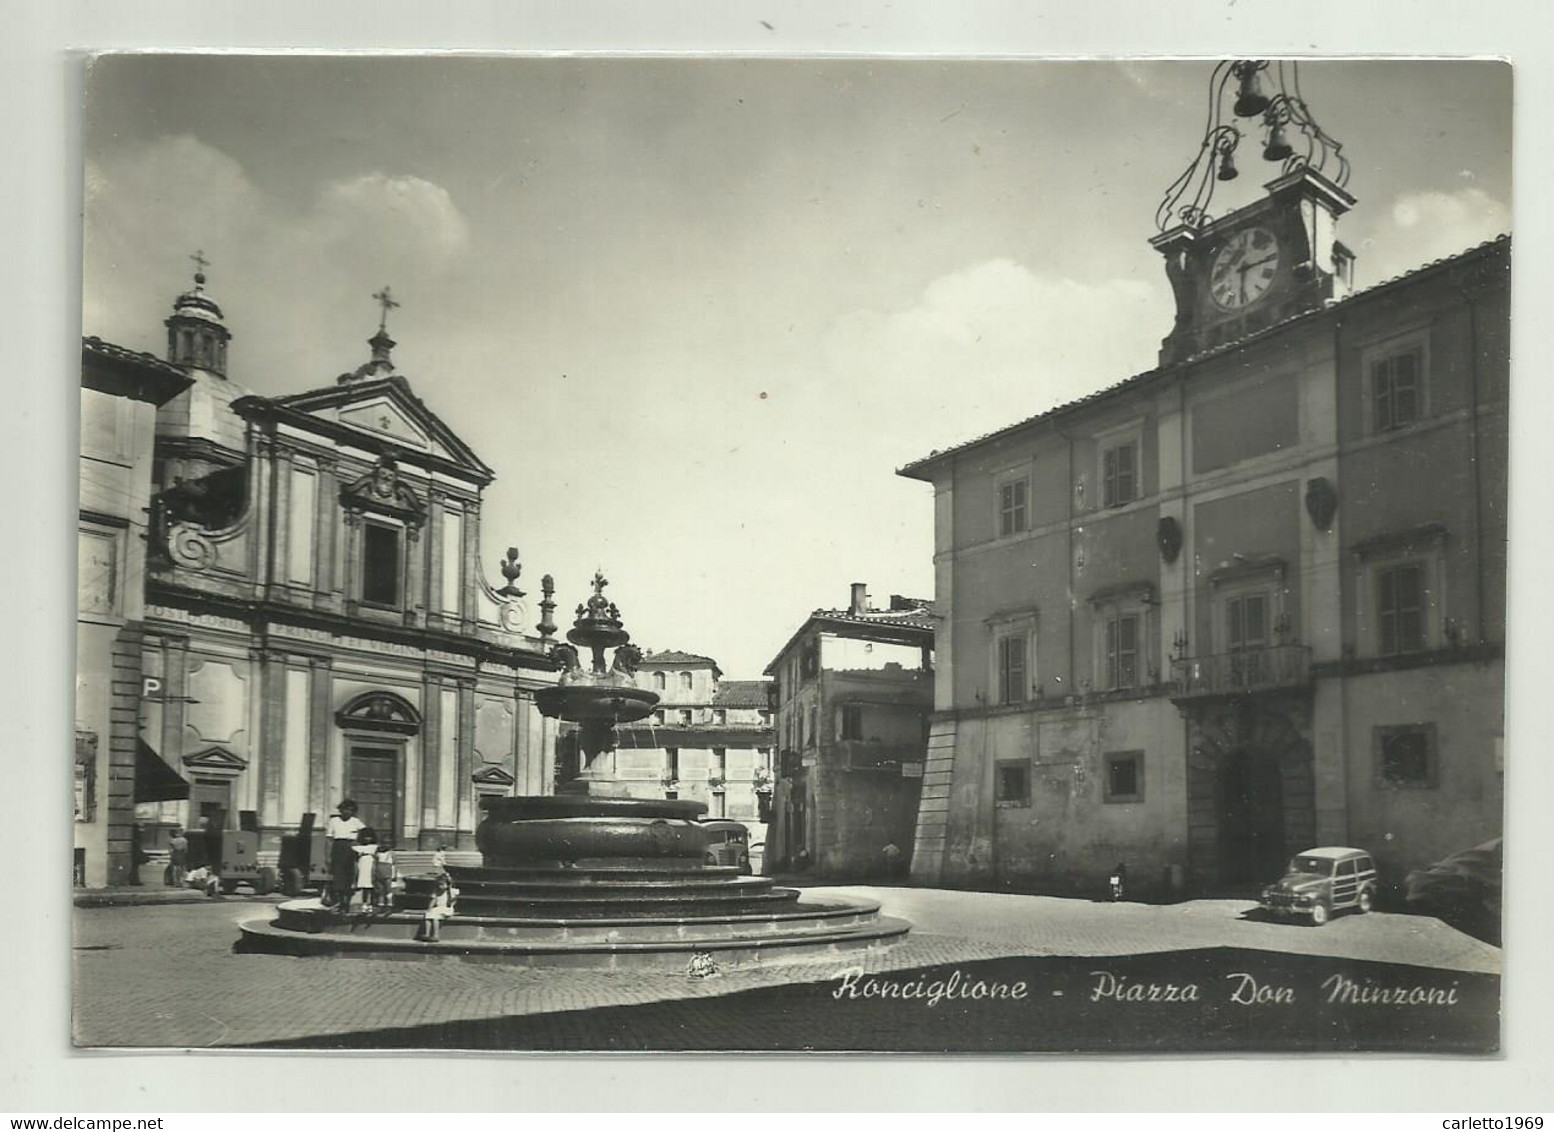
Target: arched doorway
x,y
378,726
1251,792
1251,817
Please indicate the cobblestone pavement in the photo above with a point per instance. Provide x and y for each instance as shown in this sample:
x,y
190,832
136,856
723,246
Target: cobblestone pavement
x,y
169,976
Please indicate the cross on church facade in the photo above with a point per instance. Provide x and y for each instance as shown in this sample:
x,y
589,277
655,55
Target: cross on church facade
x,y
200,262
387,301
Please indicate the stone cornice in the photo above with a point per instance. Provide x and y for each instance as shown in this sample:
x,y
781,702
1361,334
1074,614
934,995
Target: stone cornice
x,y
257,616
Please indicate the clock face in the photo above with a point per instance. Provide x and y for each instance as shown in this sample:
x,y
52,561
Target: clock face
x,y
1244,268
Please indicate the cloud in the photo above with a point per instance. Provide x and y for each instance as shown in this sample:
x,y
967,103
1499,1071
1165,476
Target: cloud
x,y
396,217
149,206
989,344
1424,226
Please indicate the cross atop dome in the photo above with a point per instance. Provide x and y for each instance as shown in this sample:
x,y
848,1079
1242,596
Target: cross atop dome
x,y
387,301
381,364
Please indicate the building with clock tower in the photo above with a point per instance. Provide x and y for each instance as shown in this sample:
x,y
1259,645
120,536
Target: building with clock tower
x,y
1251,600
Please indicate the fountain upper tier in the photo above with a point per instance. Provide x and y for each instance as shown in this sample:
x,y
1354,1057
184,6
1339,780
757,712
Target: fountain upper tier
x,y
598,696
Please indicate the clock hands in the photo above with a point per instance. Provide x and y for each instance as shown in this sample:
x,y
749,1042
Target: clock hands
x,y
1245,267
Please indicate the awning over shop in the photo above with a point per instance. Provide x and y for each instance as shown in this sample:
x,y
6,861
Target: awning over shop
x,y
155,781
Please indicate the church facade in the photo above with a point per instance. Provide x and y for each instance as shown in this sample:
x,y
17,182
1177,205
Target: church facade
x,y
319,623
1245,603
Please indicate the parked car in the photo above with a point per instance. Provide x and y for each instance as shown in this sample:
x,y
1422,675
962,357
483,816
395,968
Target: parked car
x,y
1463,890
1322,881
728,843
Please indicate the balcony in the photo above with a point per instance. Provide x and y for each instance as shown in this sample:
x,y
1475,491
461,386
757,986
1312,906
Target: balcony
x,y
1241,673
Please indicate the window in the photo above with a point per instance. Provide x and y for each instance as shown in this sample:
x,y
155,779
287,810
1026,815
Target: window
x,y
1013,686
1246,635
1400,609
1397,391
812,734
380,564
1012,507
1119,474
719,767
1405,756
852,721
719,716
685,717
1125,776
671,764
1122,651
97,572
1012,783
658,717
766,716
685,681
1246,623
660,681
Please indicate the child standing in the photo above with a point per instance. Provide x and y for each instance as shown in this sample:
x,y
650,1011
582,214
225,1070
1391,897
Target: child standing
x,y
366,857
384,874
440,860
438,909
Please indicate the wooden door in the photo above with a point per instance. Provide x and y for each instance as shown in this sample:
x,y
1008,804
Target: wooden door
x,y
372,779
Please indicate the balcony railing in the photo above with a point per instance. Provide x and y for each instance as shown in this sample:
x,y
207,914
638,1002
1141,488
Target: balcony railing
x,y
1236,673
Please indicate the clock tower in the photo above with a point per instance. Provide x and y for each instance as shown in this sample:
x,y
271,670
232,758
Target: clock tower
x,y
1265,261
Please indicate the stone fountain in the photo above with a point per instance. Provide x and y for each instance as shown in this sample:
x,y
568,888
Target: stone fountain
x,y
579,879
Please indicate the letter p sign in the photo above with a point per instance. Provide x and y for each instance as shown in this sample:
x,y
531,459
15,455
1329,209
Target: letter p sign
x,y
151,688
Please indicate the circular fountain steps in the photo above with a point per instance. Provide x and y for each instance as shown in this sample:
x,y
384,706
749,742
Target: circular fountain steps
x,y
593,899
809,930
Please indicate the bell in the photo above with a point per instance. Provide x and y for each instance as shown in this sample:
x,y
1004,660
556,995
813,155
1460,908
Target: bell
x,y
1250,99
1278,147
1227,167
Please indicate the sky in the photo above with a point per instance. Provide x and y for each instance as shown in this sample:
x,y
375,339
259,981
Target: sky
x,y
695,313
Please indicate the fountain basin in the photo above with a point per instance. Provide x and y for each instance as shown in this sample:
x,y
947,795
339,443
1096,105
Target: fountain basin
x,y
596,703
507,844
590,806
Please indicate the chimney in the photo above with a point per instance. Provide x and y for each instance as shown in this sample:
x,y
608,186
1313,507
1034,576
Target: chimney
x,y
860,602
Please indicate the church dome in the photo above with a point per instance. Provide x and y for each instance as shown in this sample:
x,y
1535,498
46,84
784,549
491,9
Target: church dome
x,y
195,303
196,336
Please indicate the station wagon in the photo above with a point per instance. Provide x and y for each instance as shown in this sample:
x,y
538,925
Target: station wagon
x,y
1322,881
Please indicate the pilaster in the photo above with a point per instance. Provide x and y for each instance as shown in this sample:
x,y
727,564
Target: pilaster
x,y
435,551
466,761
327,507
123,750
270,750
471,558
320,732
431,749
352,532
415,577
261,500
175,691
280,524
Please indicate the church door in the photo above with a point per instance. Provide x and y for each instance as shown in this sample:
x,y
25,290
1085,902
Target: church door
x,y
372,779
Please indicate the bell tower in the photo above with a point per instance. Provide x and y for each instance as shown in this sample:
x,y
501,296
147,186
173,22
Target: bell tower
x,y
1270,259
196,336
